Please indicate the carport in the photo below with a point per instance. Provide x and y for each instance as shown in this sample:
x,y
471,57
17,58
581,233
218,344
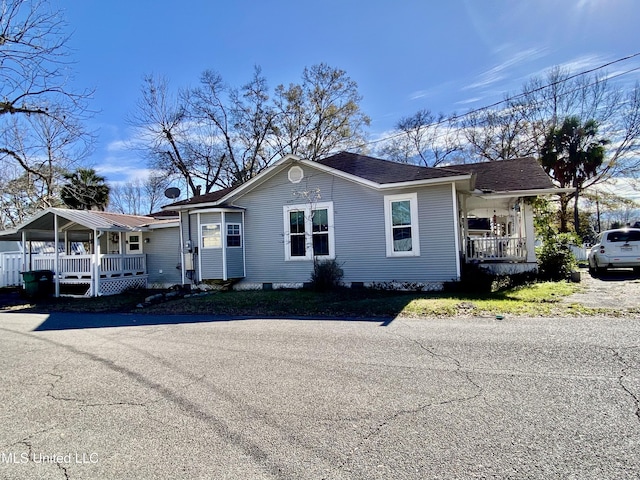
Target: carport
x,y
101,251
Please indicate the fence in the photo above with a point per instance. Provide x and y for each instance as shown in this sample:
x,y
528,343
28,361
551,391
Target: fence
x,y
10,268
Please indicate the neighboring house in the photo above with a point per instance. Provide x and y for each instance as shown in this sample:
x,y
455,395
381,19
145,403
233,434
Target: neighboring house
x,y
99,253
384,222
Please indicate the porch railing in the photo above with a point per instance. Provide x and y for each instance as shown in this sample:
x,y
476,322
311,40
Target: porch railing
x,y
497,249
79,266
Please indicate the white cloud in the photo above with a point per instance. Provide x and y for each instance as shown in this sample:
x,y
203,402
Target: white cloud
x,y
507,68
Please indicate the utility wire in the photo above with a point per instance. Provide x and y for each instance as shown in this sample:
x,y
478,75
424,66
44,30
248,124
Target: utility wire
x,y
515,97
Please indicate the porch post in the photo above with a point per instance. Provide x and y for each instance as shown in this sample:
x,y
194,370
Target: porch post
x,y
95,271
56,258
465,228
527,214
24,251
456,216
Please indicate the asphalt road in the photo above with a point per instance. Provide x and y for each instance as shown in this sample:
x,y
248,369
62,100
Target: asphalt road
x,y
193,398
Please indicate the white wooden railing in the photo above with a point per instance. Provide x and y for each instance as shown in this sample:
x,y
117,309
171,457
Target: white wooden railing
x,y
497,248
79,266
10,267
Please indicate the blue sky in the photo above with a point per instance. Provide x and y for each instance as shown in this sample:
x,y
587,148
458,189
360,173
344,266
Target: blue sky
x,y
447,56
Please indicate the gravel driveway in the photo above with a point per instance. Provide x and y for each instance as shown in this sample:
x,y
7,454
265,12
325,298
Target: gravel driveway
x,y
618,289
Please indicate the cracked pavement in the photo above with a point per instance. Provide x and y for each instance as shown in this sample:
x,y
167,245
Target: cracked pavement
x,y
177,397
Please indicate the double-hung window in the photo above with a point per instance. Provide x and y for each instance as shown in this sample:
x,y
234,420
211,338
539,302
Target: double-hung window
x,y
401,225
234,236
211,235
309,231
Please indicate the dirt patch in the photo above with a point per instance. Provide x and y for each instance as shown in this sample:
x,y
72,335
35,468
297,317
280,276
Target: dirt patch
x,y
617,289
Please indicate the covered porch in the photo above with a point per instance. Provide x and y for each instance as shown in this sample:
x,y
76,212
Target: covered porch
x,y
498,232
90,253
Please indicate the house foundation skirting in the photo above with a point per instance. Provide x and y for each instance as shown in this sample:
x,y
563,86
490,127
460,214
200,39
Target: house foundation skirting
x,y
108,286
505,268
396,286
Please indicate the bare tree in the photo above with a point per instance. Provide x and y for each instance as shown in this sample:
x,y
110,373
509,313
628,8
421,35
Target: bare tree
x,y
320,115
241,122
163,121
216,136
424,139
40,118
497,134
139,197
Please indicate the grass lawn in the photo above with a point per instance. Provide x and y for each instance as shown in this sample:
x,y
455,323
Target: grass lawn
x,y
540,299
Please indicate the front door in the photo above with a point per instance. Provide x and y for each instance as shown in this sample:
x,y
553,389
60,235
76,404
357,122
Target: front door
x,y
134,243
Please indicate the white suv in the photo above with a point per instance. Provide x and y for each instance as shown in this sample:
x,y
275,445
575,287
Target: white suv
x,y
618,248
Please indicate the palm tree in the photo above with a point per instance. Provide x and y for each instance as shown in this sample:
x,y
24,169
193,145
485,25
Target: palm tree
x,y
571,155
85,190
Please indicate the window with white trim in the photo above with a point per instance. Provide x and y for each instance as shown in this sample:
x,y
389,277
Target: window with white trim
x,y
401,225
211,235
234,236
308,231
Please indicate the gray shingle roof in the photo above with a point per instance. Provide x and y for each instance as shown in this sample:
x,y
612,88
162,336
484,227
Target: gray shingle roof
x,y
383,171
508,175
499,176
204,198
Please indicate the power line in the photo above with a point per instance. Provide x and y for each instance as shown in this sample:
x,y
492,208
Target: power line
x,y
515,97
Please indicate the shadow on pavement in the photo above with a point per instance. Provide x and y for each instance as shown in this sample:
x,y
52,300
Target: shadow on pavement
x,y
619,275
70,321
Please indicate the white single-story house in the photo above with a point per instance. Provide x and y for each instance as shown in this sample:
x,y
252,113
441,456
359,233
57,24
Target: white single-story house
x,y
385,223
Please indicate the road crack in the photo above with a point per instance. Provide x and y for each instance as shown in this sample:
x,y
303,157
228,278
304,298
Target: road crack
x,y
388,420
624,373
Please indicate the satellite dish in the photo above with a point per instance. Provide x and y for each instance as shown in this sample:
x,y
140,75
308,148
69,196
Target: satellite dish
x,y
172,193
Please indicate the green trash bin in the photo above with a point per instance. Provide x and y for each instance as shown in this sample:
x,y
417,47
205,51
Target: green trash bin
x,y
38,283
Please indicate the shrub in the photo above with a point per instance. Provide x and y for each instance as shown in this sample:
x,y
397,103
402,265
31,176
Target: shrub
x,y
555,258
327,275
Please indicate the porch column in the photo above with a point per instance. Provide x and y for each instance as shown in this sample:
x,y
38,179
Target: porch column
x,y
527,218
24,251
464,234
95,270
456,216
56,258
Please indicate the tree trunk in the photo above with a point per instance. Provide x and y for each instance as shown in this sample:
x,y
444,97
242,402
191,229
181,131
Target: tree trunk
x,y
576,217
563,213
